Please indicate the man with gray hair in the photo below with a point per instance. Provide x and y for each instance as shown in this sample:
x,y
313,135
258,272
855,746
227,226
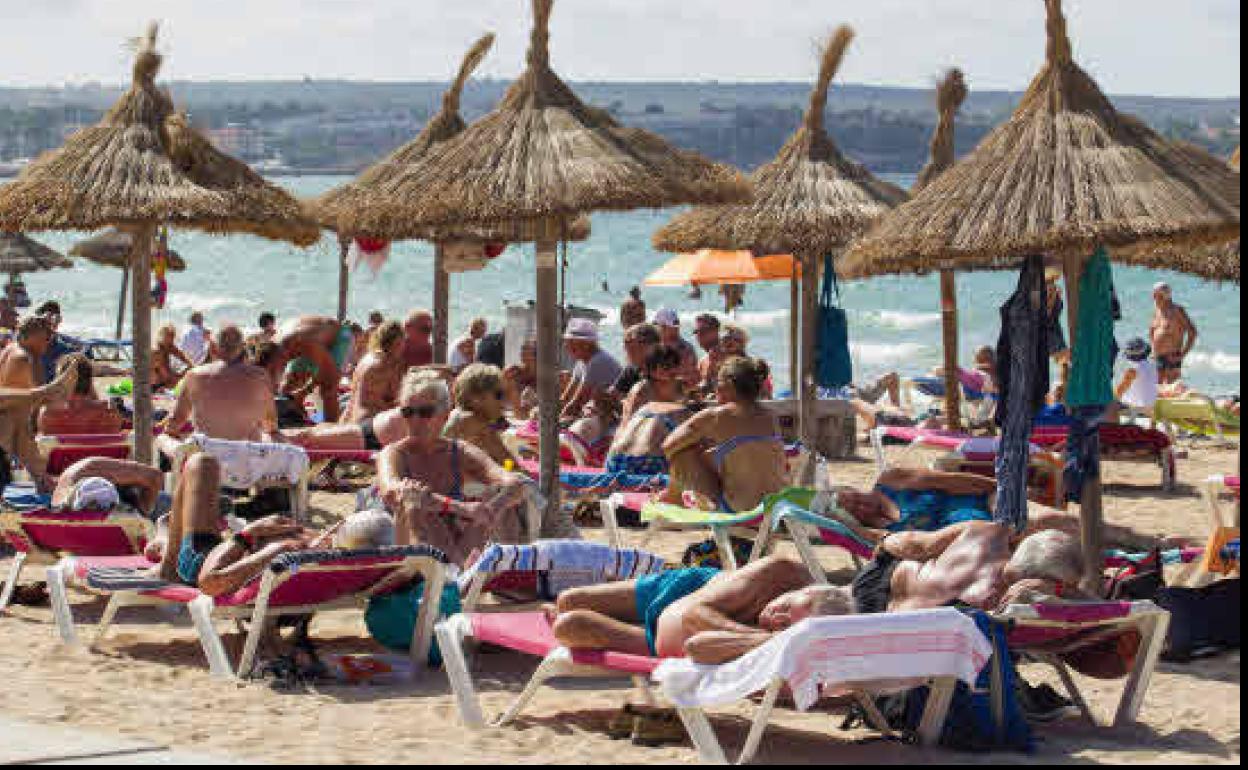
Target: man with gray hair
x,y
228,398
1172,333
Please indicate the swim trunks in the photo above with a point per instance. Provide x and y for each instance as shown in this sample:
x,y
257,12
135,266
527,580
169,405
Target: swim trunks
x,y
192,554
873,586
931,511
369,431
655,593
1170,363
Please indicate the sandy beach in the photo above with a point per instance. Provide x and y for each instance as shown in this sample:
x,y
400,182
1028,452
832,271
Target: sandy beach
x,y
150,682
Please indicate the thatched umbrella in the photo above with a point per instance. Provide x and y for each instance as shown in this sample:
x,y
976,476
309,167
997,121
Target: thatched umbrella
x,y
114,248
22,254
543,158
1218,263
810,201
140,167
371,205
1065,175
950,94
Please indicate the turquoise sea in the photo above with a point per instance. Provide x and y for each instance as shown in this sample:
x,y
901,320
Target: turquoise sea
x,y
895,322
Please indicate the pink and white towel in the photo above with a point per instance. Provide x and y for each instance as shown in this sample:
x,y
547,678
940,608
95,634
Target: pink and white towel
x,y
831,656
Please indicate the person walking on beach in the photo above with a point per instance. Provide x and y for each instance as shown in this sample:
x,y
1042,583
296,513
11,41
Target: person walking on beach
x,y
633,311
1173,335
195,340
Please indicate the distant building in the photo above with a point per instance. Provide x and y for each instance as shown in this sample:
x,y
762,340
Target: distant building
x,y
240,141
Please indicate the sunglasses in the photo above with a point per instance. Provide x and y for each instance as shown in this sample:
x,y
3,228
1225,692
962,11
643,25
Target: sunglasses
x,y
426,412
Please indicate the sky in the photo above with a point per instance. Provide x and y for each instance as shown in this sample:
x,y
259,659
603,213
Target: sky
x,y
1153,47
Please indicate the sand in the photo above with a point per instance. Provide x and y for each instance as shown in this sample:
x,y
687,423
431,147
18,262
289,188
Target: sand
x,y
150,682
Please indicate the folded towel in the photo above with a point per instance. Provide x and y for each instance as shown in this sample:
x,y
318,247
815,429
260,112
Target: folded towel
x,y
244,464
569,563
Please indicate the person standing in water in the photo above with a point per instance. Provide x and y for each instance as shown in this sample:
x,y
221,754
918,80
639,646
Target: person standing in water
x,y
633,311
1173,335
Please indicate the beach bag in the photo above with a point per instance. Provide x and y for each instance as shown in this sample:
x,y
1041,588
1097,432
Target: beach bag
x,y
834,367
974,722
391,618
1203,621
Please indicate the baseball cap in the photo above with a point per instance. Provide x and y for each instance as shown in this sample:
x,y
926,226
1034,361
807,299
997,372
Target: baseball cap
x,y
1161,286
95,494
667,317
581,329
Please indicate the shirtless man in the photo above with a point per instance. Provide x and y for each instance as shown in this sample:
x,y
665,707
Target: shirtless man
x,y
707,615
226,399
326,346
20,396
426,480
163,356
633,311
1173,335
417,344
375,384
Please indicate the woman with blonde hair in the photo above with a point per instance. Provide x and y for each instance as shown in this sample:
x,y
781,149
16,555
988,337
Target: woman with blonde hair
x,y
375,383
480,400
426,480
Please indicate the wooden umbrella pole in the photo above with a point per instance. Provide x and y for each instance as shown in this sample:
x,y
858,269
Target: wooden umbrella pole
x,y
949,335
121,303
548,376
1091,514
795,330
441,306
810,299
141,314
344,276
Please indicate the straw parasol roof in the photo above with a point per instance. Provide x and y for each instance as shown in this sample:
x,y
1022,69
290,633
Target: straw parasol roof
x,y
543,155
367,206
950,94
22,254
144,163
113,247
1216,263
1066,173
810,200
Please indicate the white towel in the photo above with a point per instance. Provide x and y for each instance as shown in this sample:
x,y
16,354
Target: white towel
x,y
245,464
833,655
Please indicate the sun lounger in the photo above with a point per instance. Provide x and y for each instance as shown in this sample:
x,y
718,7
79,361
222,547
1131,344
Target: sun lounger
x,y
42,536
298,583
862,655
1195,414
294,476
62,451
977,407
584,482
1122,443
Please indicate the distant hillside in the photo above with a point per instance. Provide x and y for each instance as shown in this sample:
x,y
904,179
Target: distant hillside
x,y
344,125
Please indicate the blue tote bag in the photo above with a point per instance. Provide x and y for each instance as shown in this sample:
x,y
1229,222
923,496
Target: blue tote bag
x,y
834,367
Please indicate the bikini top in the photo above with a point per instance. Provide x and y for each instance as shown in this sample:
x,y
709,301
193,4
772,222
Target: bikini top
x,y
721,452
668,421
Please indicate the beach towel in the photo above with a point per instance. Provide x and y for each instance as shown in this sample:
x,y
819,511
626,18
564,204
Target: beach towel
x,y
569,563
1023,370
830,655
1091,380
245,464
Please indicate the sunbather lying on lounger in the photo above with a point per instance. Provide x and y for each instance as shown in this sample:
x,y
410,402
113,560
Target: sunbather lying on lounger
x,y
197,553
132,483
907,499
707,615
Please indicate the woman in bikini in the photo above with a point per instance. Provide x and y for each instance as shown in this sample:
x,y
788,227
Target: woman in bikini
x,y
730,456
426,480
480,400
638,446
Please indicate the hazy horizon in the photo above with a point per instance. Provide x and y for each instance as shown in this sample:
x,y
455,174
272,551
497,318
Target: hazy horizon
x,y
1132,47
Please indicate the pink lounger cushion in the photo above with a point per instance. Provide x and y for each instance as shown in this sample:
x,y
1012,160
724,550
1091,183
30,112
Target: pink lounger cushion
x,y
83,533
531,633
342,455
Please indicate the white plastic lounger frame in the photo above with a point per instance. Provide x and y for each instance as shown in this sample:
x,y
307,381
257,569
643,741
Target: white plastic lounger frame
x,y
1151,621
722,534
179,451
204,611
453,634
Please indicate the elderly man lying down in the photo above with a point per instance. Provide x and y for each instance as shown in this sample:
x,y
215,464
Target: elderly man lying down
x,y
714,617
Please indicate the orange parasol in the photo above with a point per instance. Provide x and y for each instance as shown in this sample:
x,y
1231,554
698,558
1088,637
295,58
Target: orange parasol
x,y
711,266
